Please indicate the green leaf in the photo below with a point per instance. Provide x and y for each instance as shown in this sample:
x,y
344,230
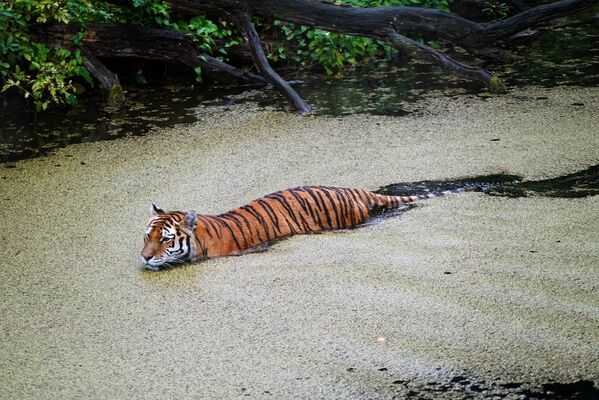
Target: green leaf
x,y
198,71
140,79
76,38
71,99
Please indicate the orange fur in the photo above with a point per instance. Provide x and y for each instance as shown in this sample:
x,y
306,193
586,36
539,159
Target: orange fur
x,y
302,210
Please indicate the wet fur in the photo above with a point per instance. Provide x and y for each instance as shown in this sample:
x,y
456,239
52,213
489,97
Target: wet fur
x,y
175,237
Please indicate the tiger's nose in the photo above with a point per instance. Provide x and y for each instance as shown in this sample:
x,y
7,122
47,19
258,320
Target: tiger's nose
x,y
147,258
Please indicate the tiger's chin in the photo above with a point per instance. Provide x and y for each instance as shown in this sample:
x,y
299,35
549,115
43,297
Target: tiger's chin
x,y
152,267
159,265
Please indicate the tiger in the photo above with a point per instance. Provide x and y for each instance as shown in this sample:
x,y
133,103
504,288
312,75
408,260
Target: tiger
x,y
176,237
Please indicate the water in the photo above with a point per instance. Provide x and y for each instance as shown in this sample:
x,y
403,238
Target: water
x,y
25,134
579,184
382,89
458,289
559,55
562,55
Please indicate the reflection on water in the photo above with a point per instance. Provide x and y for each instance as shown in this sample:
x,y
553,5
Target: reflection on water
x,y
382,89
559,55
556,56
26,134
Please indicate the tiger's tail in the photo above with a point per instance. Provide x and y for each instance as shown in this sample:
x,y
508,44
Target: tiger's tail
x,y
382,201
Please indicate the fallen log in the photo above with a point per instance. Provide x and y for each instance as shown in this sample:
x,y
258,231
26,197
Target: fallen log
x,y
122,41
109,82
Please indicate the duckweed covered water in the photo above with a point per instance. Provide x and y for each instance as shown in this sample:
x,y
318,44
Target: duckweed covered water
x,y
464,296
24,134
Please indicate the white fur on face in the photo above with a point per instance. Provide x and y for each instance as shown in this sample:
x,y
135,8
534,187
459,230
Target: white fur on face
x,y
179,245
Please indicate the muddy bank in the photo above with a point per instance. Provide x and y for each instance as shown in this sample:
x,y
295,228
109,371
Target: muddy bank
x,y
469,288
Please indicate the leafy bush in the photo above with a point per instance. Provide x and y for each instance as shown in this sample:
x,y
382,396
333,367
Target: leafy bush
x,y
46,75
42,73
203,32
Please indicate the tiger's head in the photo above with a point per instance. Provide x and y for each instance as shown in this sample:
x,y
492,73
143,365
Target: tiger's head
x,y
169,239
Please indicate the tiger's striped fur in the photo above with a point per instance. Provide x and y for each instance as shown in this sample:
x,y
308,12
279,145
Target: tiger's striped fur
x,y
174,237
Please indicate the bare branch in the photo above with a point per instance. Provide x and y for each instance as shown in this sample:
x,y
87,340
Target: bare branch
x,y
245,23
412,48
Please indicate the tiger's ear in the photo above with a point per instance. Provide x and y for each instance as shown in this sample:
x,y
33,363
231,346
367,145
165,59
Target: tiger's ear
x,y
189,222
156,210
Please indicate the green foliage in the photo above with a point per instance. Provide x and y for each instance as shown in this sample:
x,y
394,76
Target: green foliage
x,y
46,75
334,51
331,51
440,4
496,9
43,74
148,10
204,32
51,75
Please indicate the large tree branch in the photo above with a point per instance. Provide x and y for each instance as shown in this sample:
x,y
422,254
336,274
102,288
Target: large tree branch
x,y
245,23
109,81
377,23
372,22
535,16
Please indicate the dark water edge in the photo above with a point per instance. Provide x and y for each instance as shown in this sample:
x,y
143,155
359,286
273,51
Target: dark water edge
x,y
26,134
579,184
467,387
576,185
566,53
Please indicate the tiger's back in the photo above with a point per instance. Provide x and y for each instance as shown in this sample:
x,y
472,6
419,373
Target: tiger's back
x,y
301,210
